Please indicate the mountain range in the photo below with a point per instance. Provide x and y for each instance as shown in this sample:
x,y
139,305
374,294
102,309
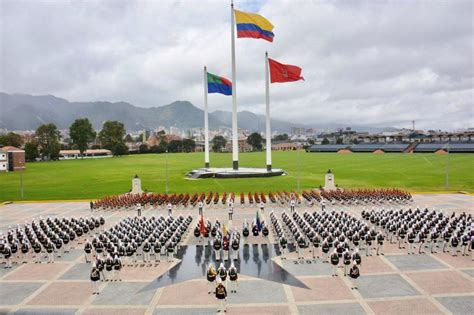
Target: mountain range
x,y
27,112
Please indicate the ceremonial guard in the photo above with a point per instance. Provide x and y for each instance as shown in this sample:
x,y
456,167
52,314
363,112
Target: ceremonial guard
x,y
7,254
146,252
368,245
217,245
325,248
139,209
230,206
25,248
233,284
292,204
109,266
316,243
87,251
401,237
157,251
117,267
283,246
211,277
380,239
95,278
221,295
37,250
222,273
465,244
454,244
354,273
433,240
356,257
50,251
334,262
171,248
421,241
200,207
347,259
235,246
262,207
100,264
301,246
411,240
170,208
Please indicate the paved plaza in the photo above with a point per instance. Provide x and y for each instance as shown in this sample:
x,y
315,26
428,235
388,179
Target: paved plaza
x,y
395,283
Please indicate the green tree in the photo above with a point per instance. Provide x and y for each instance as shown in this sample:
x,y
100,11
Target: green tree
x,y
311,141
143,148
339,140
218,142
325,141
31,151
111,137
175,146
161,147
11,138
282,137
81,133
255,140
128,138
189,145
47,136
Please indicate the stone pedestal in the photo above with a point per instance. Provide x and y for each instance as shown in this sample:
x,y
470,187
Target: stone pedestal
x,y
136,185
329,183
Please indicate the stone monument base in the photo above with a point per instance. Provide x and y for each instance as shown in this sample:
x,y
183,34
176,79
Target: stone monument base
x,y
242,172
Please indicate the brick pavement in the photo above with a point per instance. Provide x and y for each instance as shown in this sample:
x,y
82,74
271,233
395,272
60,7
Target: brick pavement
x,y
392,284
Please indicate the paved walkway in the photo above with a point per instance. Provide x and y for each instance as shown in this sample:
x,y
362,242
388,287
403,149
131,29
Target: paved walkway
x,y
395,283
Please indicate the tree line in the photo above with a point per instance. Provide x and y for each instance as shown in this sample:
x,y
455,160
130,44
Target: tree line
x,y
46,141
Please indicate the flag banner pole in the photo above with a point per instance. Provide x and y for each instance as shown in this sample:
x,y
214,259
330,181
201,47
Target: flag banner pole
x,y
206,123
235,144
268,121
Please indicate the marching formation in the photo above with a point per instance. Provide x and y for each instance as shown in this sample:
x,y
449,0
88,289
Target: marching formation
x,y
130,238
279,198
419,228
44,238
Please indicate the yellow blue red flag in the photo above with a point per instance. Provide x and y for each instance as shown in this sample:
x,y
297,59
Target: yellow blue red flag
x,y
251,25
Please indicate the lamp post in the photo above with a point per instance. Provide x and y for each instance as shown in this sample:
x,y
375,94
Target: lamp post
x,y
298,168
446,183
22,167
166,174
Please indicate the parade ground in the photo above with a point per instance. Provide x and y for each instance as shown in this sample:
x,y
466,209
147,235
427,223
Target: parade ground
x,y
96,178
393,283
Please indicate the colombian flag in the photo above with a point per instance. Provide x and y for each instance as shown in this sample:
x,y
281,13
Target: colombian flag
x,y
252,25
217,84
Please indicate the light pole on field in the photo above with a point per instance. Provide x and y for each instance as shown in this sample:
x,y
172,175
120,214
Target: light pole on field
x,y
298,168
22,167
446,183
166,174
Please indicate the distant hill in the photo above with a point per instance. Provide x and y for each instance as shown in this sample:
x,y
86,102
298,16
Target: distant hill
x,y
27,112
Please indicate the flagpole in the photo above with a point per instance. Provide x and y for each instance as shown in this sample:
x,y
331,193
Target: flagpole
x,y
268,126
235,144
206,123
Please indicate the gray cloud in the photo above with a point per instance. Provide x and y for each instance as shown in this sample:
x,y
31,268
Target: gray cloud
x,y
373,62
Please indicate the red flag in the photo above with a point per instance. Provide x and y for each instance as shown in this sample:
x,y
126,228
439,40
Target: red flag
x,y
202,228
283,73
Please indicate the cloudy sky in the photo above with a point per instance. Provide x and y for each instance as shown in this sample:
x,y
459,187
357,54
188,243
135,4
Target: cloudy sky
x,y
380,63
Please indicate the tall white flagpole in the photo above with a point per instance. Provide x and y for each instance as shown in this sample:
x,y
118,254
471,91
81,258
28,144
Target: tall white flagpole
x,y
235,144
268,126
206,123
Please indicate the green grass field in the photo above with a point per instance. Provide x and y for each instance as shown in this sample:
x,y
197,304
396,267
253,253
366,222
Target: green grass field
x,y
87,179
